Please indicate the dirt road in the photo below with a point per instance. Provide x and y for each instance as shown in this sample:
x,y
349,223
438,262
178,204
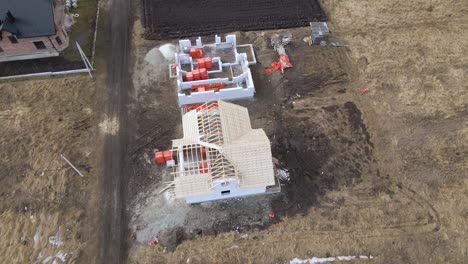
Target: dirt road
x,y
113,226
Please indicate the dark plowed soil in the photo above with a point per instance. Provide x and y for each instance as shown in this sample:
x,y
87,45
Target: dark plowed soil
x,y
174,19
40,65
324,148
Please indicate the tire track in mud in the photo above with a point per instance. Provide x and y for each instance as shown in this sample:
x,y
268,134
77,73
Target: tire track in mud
x,y
413,195
433,215
302,236
147,138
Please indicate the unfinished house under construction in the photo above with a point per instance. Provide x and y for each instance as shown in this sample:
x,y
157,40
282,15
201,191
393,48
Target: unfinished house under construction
x,y
220,155
213,71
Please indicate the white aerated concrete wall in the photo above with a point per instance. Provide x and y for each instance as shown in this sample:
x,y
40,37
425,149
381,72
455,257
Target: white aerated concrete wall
x,y
217,193
243,83
226,94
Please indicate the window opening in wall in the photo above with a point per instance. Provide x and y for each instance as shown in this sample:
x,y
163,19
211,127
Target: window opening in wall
x,y
39,45
13,39
225,192
1,50
59,41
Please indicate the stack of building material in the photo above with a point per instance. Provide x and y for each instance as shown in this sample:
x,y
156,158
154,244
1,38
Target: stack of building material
x,y
278,42
320,32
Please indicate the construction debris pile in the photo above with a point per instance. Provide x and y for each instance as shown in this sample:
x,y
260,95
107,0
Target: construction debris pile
x,y
320,33
278,42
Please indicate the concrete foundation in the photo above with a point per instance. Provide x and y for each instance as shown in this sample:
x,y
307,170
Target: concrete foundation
x,y
230,68
32,56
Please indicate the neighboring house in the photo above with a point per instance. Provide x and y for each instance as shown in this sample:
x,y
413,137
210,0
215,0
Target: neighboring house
x,y
220,155
32,29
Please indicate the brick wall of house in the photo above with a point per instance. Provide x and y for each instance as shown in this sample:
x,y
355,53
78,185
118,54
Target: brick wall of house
x,y
26,45
59,15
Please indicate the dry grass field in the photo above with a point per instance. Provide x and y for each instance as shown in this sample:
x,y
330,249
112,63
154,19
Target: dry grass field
x,y
47,211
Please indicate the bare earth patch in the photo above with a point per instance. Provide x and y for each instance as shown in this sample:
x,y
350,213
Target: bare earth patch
x,y
109,126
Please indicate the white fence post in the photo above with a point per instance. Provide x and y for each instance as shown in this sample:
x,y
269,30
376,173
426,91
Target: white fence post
x,y
85,60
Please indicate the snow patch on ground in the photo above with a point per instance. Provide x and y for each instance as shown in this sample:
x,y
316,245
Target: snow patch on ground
x,y
110,125
283,174
36,238
61,255
56,240
46,260
314,260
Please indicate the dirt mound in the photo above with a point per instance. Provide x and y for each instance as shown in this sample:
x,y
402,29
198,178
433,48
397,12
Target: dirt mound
x,y
173,19
171,238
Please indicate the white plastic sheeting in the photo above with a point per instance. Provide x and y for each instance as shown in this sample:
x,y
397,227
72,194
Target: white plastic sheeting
x,y
314,260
